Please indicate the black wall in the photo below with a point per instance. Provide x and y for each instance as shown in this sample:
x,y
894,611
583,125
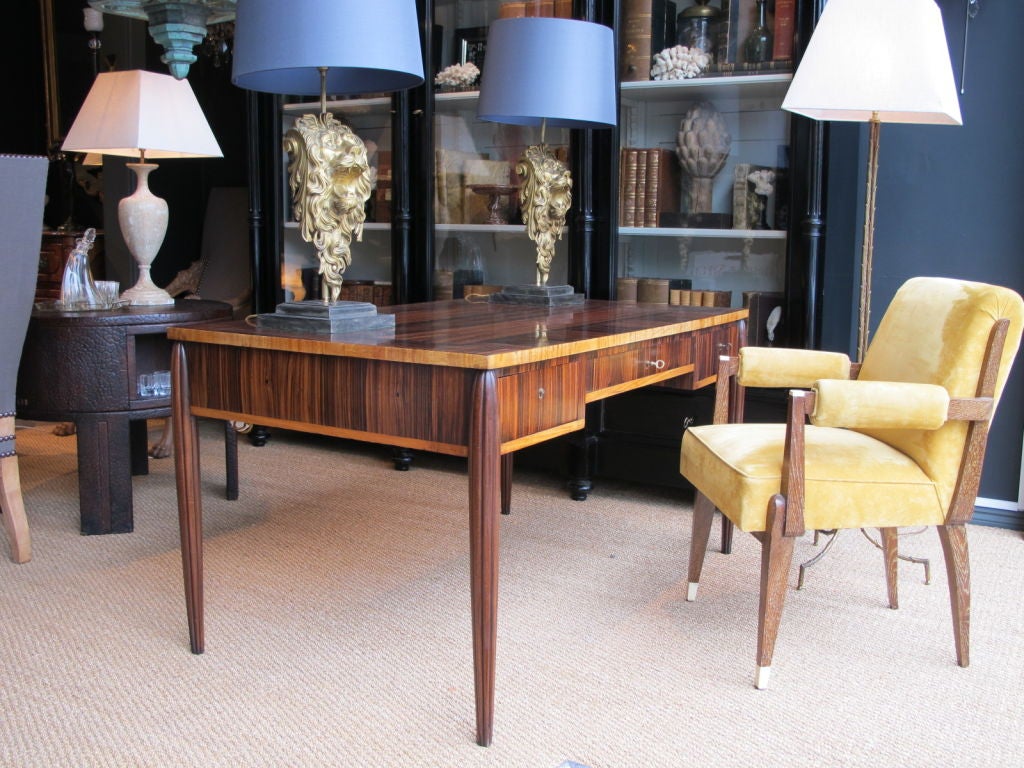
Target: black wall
x,y
185,184
949,203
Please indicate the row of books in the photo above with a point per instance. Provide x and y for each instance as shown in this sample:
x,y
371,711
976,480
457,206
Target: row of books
x,y
650,26
373,291
559,8
649,184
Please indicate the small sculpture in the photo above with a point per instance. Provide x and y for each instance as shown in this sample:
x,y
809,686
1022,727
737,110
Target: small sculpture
x,y
764,184
457,75
702,145
330,180
679,63
547,195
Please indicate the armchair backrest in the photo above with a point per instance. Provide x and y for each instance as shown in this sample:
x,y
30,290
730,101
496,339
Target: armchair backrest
x,y
22,192
936,331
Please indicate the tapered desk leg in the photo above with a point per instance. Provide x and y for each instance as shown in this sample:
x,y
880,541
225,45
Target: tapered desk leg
x,y
484,503
190,507
506,483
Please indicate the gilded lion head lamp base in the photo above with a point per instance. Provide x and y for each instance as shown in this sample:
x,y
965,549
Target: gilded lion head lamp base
x,y
315,47
547,71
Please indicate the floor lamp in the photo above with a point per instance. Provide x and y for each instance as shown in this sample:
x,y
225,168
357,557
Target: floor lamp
x,y
875,61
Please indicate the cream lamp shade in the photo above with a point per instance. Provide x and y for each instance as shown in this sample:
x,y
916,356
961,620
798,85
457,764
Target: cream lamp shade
x,y
144,115
126,112
875,61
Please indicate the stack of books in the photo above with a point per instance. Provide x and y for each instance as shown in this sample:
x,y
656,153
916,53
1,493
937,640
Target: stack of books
x,y
649,185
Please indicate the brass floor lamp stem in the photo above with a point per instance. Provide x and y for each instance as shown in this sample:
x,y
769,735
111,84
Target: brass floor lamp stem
x,y
867,253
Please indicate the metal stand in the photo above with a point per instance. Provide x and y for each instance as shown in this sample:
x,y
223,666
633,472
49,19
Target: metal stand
x,y
833,534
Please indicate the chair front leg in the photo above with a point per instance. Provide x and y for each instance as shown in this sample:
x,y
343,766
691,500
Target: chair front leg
x,y
890,551
703,516
776,558
958,574
14,519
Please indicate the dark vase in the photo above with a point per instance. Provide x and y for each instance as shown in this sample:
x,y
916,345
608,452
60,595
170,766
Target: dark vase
x,y
757,48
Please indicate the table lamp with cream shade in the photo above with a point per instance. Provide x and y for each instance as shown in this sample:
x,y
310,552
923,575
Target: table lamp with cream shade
x,y
142,115
875,61
321,47
543,71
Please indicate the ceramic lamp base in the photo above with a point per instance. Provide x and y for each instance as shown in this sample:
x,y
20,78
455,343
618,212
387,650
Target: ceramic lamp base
x,y
143,219
145,293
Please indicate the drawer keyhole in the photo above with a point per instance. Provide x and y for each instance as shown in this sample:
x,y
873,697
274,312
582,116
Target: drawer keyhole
x,y
540,393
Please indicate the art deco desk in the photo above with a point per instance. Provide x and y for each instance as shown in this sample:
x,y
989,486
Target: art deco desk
x,y
467,379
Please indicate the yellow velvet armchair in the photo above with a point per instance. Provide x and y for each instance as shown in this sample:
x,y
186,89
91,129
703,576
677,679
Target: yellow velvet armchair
x,y
898,440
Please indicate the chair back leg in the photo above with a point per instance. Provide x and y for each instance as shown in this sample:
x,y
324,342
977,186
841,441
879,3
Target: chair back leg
x,y
890,551
958,574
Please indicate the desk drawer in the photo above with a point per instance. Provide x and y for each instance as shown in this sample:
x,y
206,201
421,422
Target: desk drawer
x,y
540,399
616,369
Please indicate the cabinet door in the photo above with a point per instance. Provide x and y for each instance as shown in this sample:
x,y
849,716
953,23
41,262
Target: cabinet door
x,y
705,193
479,239
721,134
368,276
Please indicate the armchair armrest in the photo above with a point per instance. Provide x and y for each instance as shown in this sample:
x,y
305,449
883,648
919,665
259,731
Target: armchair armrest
x,y
879,405
778,367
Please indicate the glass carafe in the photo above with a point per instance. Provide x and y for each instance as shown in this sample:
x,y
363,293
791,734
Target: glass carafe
x,y
77,289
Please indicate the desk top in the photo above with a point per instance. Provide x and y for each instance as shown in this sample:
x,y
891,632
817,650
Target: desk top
x,y
478,335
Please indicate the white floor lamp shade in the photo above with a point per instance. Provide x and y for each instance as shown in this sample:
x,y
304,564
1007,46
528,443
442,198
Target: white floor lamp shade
x,y
140,114
875,61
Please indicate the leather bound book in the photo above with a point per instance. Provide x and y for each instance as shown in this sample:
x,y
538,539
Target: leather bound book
x,y
636,40
540,7
511,10
785,19
663,185
628,182
640,202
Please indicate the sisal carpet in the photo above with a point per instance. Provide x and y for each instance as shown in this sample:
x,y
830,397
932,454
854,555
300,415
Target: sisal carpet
x,y
338,631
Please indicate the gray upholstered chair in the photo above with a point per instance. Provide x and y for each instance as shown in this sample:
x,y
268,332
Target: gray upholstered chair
x,y
22,191
222,271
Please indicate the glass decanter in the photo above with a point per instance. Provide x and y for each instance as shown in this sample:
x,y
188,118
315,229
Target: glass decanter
x,y
77,288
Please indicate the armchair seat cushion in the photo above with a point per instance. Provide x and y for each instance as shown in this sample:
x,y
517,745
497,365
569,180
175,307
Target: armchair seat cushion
x,y
738,467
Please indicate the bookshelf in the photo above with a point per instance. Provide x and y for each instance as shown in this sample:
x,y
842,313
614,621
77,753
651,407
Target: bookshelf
x,y
726,253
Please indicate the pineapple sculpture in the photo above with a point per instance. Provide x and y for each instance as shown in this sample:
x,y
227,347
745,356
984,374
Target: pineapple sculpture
x,y
702,146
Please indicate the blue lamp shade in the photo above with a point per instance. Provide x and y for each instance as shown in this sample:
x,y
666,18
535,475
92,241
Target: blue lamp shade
x,y
543,68
368,46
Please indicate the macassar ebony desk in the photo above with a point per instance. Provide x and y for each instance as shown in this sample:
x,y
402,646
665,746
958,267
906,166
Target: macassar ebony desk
x,y
468,379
